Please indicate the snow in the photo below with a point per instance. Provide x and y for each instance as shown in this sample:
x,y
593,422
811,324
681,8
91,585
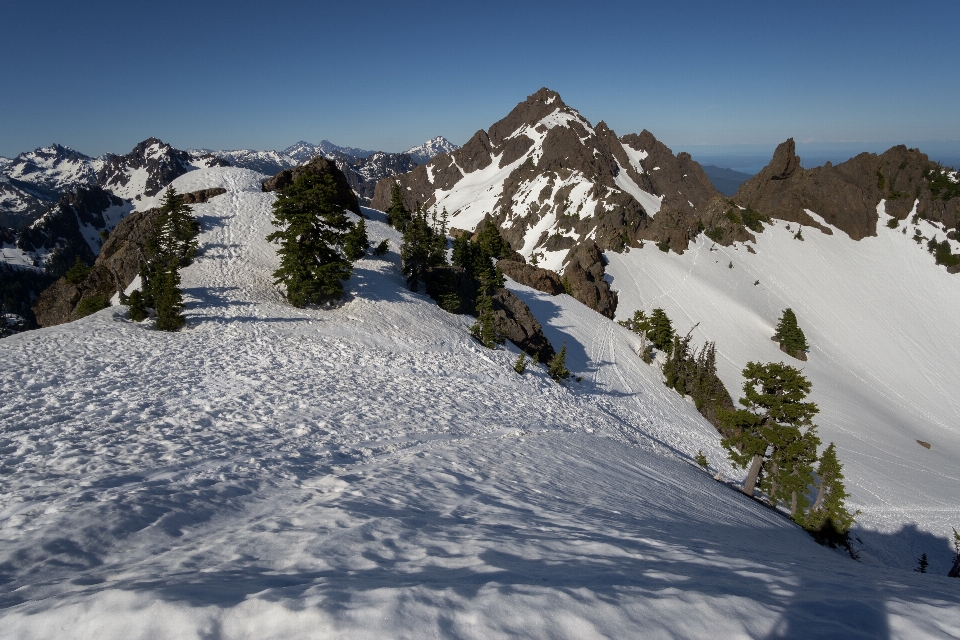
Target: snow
x,y
635,156
371,471
112,217
651,203
876,314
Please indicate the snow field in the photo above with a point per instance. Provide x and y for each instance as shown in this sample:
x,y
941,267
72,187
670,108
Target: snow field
x,y
878,316
371,471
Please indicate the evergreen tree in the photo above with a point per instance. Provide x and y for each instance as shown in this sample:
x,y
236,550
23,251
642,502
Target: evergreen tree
x,y
422,248
138,311
789,334
701,459
922,564
355,242
771,427
484,329
829,513
558,366
397,214
180,227
521,364
169,299
661,330
313,230
78,272
639,323
382,248
490,240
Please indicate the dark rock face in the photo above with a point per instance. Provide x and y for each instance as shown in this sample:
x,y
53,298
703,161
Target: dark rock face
x,y
531,276
163,165
846,195
584,274
513,319
58,231
115,268
319,166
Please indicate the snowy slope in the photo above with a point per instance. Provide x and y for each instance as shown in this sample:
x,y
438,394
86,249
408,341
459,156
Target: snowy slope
x,y
370,471
881,319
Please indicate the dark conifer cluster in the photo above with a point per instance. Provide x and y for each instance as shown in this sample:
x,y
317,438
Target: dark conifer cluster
x,y
316,241
790,335
775,439
695,374
171,245
424,245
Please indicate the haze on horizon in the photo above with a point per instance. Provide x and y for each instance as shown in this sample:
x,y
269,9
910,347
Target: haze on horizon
x,y
104,75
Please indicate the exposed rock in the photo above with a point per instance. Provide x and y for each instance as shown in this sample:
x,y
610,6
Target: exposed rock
x,y
162,163
513,319
319,166
584,274
531,276
115,268
847,195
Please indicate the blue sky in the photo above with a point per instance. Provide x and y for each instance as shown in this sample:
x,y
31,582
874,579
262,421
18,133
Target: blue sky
x,y
101,75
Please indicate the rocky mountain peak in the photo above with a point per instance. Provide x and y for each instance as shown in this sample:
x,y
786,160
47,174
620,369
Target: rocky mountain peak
x,y
785,162
529,112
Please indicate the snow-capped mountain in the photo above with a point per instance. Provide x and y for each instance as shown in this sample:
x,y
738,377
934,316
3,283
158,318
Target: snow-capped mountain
x,y
265,162
421,154
53,170
147,169
551,180
371,471
302,152
18,207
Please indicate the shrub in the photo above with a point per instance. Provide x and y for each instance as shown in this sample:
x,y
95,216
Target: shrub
x,y
78,272
91,305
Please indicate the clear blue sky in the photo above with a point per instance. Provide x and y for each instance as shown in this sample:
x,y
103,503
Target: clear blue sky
x,y
102,75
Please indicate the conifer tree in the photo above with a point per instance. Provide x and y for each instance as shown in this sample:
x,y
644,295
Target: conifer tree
x,y
180,227
639,323
558,366
313,229
521,364
397,214
382,248
789,334
922,564
355,243
661,330
771,426
138,311
829,509
422,248
484,329
701,459
169,299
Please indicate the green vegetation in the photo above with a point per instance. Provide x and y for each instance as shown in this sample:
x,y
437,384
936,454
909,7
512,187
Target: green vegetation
x,y
313,232
424,247
701,459
91,305
714,233
138,311
484,329
789,334
397,214
881,182
893,223
661,330
828,519
753,219
382,248
78,272
664,246
521,364
558,366
355,243
942,253
941,186
695,374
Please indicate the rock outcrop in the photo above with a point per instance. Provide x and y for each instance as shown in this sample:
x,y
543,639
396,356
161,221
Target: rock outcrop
x,y
513,319
584,276
115,268
847,195
532,276
346,198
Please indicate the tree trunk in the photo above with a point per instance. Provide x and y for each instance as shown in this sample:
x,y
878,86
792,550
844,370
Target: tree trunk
x,y
821,492
751,482
793,504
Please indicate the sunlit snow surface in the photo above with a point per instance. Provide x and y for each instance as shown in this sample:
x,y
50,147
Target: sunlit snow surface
x,y
371,472
882,321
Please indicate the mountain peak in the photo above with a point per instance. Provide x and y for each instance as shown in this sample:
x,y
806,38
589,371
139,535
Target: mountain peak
x,y
430,149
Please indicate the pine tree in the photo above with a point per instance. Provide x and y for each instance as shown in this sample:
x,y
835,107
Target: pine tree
x,y
313,230
180,226
829,513
639,323
355,242
397,214
661,330
922,564
484,329
771,427
789,334
138,311
521,364
558,366
169,299
701,459
422,248
382,248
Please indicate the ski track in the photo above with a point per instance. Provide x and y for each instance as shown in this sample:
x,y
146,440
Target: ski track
x,y
370,471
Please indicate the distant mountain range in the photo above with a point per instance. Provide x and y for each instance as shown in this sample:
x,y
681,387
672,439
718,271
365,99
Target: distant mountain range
x,y
727,181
